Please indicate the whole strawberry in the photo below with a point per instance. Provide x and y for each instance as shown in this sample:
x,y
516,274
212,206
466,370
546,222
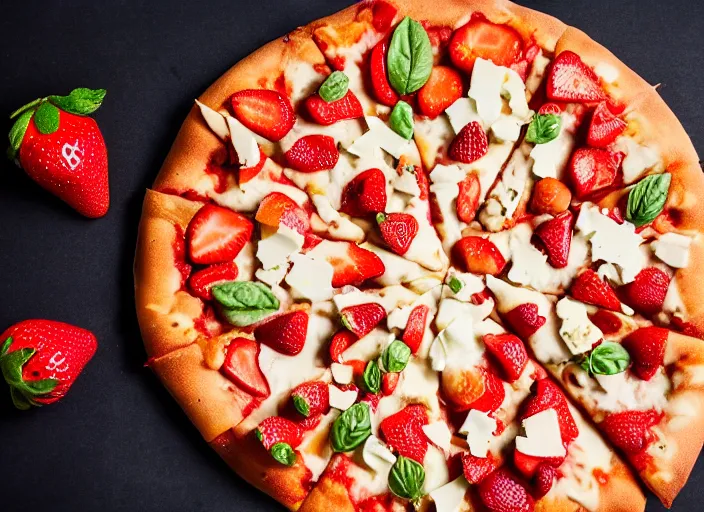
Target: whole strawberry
x,y
63,150
40,360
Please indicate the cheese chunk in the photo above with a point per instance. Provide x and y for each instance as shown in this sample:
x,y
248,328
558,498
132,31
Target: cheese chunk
x,y
342,373
439,433
462,112
276,249
272,276
673,249
310,278
577,331
244,143
215,120
479,428
450,496
543,438
379,136
376,455
342,400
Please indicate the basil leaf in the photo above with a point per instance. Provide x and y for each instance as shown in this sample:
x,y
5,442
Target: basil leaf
x,y
406,478
410,58
396,356
301,405
243,303
372,377
647,199
81,101
46,118
544,128
351,428
608,358
334,87
401,120
455,285
283,453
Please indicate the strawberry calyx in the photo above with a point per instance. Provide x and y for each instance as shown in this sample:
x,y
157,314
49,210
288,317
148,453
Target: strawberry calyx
x,y
24,393
45,111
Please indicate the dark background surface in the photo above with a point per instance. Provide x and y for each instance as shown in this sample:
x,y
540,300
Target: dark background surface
x,y
118,442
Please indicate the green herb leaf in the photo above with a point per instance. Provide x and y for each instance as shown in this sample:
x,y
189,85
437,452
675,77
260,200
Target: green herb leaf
x,y
81,101
455,285
25,108
334,87
351,428
372,377
17,132
301,405
283,453
647,199
396,356
543,128
608,358
410,58
46,117
401,120
243,303
406,478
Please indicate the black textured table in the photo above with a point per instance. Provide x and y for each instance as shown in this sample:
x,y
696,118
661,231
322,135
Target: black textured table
x,y
118,441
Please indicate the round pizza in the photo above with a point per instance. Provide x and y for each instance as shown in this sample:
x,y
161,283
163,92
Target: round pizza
x,y
421,255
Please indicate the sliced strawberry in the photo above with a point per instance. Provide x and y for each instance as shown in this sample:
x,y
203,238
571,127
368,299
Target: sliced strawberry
x,y
528,464
463,387
217,235
362,318
249,173
403,432
605,127
646,294
278,208
341,341
549,396
606,321
280,436
470,144
476,469
389,381
398,230
479,38
442,89
630,430
572,80
266,113
322,112
313,153
241,366
592,289
365,194
383,14
202,281
311,398
550,196
591,170
544,478
502,492
525,320
358,367
468,198
556,237
351,264
415,327
493,395
285,333
646,346
510,353
311,240
383,91
479,255
550,108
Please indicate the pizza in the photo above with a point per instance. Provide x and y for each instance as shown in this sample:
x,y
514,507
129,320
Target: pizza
x,y
418,255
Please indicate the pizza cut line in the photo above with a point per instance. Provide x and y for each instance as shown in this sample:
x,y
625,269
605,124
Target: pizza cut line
x,y
414,255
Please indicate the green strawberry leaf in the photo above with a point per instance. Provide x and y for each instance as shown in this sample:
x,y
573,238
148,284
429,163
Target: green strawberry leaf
x,y
24,108
17,133
19,400
334,87
401,120
46,118
283,453
81,101
5,346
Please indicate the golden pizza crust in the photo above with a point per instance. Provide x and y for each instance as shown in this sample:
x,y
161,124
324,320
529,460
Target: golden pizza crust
x,y
248,458
166,313
328,494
